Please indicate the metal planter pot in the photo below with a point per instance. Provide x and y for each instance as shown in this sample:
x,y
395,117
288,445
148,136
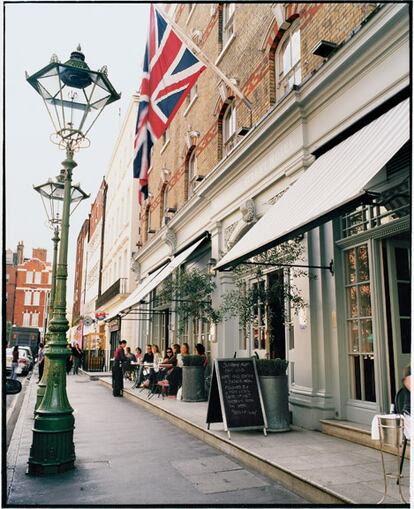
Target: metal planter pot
x,y
193,384
276,402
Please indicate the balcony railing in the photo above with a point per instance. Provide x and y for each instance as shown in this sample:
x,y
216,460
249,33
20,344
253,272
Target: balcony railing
x,y
119,287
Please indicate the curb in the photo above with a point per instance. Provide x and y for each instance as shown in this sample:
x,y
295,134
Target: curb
x,y
309,490
15,441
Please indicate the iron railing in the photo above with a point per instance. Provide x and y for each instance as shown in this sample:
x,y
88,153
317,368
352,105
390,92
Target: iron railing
x,y
119,287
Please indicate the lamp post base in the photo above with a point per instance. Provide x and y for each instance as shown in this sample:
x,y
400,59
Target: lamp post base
x,y
34,469
52,452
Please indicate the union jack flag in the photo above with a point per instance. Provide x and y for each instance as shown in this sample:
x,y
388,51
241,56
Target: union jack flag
x,y
170,70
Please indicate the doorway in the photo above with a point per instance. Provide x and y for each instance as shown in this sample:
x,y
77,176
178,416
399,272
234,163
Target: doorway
x,y
397,284
276,315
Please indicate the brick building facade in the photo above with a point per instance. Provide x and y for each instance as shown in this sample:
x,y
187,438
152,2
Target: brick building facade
x,y
251,58
316,75
32,289
78,292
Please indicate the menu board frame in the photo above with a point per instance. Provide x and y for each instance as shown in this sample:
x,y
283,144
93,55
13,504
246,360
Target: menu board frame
x,y
216,408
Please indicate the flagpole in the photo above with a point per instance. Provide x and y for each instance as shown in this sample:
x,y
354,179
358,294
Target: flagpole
x,y
204,58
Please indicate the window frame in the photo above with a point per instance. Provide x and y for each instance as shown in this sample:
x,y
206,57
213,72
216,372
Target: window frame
x,y
282,76
35,322
191,98
356,385
165,139
229,119
26,319
191,172
36,299
227,26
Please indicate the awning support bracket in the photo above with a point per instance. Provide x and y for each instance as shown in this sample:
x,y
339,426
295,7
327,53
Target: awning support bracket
x,y
329,267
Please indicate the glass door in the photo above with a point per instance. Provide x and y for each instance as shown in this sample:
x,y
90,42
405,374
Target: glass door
x,y
398,274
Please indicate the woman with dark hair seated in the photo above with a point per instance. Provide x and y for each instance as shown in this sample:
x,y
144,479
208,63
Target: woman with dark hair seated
x,y
202,351
174,376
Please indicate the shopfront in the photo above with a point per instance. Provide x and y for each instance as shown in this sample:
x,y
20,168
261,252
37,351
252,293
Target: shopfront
x,y
375,252
158,318
349,345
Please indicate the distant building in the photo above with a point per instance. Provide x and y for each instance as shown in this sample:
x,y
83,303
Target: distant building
x,y
28,287
80,279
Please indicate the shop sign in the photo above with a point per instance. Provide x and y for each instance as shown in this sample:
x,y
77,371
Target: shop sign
x,y
235,397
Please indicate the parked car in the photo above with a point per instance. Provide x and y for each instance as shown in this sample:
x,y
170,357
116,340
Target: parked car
x,y
23,364
30,356
13,386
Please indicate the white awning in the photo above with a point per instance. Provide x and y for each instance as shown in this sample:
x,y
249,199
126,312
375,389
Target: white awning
x,y
337,179
133,298
154,279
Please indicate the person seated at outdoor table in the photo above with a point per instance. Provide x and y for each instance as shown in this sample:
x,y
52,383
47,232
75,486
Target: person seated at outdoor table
x,y
167,364
143,373
174,376
154,373
184,350
148,356
157,357
406,405
126,367
202,352
169,361
138,354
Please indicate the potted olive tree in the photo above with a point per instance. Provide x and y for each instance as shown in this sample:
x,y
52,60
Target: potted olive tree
x,y
275,392
193,388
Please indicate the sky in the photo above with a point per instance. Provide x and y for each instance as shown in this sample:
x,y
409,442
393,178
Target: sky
x,y
112,34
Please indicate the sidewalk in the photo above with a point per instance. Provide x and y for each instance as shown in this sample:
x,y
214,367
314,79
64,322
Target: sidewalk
x,y
110,431
318,467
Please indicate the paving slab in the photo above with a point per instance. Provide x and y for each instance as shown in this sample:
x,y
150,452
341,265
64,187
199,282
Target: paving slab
x,y
296,456
218,482
125,455
205,465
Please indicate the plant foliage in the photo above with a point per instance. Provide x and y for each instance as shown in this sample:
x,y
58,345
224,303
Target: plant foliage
x,y
243,299
191,291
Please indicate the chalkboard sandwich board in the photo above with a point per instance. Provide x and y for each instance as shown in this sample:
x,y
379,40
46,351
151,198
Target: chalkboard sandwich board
x,y
235,398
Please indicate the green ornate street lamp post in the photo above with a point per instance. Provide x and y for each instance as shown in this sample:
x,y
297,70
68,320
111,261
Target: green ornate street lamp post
x,y
74,97
51,193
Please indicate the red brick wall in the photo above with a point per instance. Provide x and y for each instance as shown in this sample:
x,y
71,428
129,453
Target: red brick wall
x,y
33,265
10,289
97,209
250,59
83,234
40,254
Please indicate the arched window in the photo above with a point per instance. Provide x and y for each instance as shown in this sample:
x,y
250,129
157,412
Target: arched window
x,y
26,319
229,125
288,65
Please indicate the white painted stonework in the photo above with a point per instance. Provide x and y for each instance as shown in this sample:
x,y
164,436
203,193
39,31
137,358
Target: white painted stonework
x,y
121,221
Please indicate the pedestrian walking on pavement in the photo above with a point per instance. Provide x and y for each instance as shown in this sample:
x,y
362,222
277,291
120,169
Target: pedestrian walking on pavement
x,y
77,357
15,362
69,364
117,371
40,360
